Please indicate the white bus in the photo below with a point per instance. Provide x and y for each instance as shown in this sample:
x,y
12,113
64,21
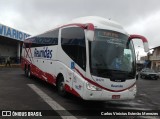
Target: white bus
x,y
90,57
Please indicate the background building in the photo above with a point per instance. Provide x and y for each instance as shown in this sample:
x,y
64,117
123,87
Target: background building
x,y
152,60
10,43
155,58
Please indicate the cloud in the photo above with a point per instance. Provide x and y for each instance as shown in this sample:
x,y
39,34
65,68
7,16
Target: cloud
x,y
36,16
39,11
149,27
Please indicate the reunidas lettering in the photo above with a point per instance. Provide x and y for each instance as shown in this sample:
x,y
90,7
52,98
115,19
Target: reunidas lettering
x,y
116,86
44,53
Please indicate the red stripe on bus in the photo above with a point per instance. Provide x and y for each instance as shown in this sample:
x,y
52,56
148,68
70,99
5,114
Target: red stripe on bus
x,y
50,78
89,26
71,90
39,73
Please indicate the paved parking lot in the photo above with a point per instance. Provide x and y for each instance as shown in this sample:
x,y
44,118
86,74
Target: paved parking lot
x,y
20,93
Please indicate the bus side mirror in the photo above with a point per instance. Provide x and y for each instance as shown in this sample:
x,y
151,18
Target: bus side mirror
x,y
144,40
90,31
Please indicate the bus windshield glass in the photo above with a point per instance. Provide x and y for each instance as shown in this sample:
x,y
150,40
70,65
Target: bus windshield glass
x,y
109,53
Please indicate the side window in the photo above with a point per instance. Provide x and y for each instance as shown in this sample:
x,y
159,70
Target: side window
x,y
73,44
47,39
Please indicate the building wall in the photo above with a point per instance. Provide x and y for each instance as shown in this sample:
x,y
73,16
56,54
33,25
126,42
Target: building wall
x,y
155,59
10,40
8,50
12,33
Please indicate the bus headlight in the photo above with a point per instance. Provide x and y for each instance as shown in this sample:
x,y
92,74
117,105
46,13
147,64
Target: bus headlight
x,y
93,88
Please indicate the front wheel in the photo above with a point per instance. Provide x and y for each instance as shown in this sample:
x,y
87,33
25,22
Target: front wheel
x,y
156,78
143,77
61,87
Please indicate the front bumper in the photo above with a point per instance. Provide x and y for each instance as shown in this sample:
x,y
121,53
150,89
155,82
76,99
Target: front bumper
x,y
127,94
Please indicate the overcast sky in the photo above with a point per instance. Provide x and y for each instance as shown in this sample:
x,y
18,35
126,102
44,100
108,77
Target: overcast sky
x,y
36,16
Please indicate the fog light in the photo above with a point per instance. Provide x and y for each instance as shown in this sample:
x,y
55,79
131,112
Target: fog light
x,y
133,89
93,88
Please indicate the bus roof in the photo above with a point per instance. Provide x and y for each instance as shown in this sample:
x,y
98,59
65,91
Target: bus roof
x,y
98,22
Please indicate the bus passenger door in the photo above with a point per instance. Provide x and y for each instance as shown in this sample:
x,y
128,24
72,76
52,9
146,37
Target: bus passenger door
x,y
79,70
73,44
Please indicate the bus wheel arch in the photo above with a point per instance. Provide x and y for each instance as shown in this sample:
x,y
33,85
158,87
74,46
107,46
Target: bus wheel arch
x,y
60,83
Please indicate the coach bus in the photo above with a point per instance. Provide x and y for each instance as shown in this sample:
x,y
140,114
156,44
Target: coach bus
x,y
90,57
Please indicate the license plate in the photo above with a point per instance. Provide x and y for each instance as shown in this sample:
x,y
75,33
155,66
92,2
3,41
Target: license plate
x,y
115,96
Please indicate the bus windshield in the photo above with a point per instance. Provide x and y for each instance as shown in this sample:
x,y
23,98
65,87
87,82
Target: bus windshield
x,y
109,53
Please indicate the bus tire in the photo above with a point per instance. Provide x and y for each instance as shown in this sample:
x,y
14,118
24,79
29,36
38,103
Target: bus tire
x,y
61,86
25,71
29,75
143,77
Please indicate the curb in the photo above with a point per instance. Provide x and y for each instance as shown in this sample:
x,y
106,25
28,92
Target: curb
x,y
12,66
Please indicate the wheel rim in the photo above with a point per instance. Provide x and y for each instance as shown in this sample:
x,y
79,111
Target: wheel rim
x,y
61,87
29,73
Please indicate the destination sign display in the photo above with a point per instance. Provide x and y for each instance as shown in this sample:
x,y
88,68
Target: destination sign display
x,y
111,37
108,34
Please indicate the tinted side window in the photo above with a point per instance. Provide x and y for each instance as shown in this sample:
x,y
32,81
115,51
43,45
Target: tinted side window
x,y
73,44
47,39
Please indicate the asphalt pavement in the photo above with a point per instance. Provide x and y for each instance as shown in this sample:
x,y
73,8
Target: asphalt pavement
x,y
18,93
